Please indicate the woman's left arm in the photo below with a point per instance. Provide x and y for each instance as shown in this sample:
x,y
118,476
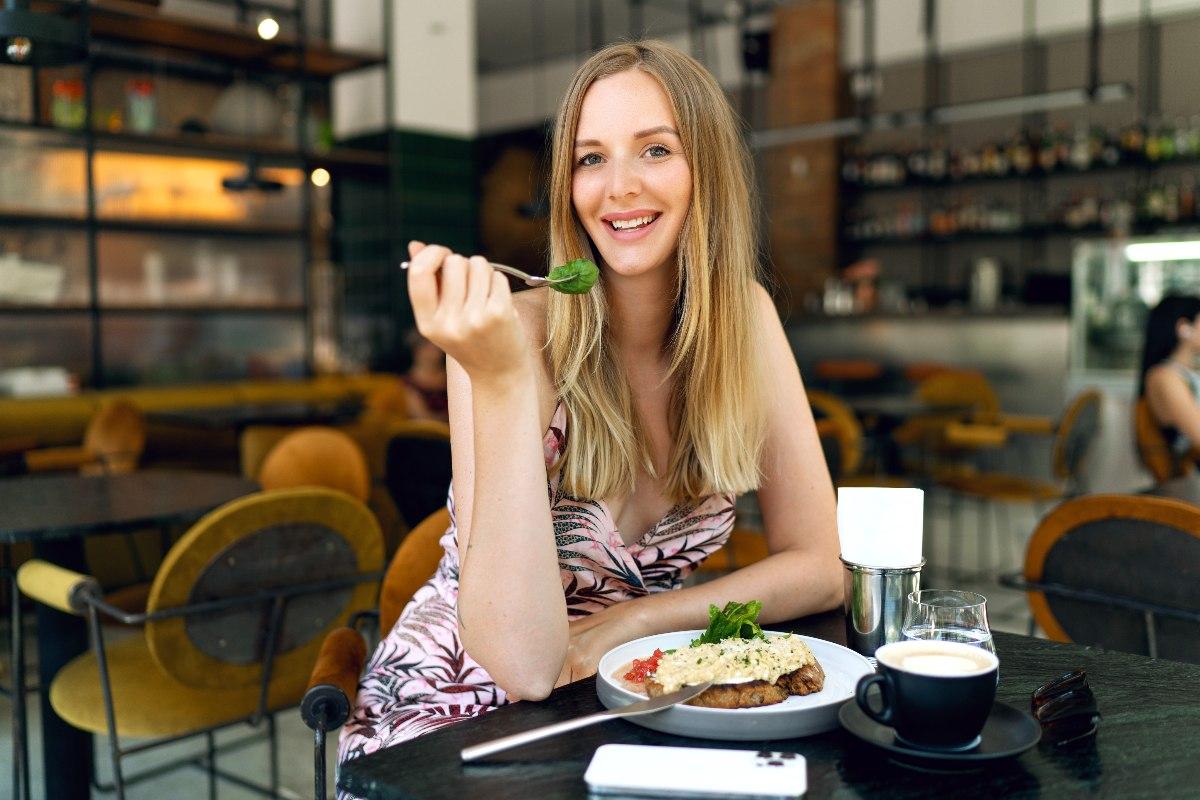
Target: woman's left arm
x,y
802,575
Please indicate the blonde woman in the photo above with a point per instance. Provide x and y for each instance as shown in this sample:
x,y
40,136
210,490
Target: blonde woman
x,y
600,440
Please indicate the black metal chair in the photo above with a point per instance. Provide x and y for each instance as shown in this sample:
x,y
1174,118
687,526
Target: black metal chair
x,y
418,468
1118,571
232,627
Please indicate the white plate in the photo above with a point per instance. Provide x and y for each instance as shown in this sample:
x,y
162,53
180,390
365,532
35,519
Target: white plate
x,y
795,716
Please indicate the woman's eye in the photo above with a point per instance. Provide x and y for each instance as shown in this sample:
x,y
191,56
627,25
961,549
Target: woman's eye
x,y
657,151
590,160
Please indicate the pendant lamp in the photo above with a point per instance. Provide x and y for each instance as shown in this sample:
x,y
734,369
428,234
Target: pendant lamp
x,y
31,38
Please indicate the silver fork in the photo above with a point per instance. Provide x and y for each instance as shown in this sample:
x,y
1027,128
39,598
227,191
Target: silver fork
x,y
530,280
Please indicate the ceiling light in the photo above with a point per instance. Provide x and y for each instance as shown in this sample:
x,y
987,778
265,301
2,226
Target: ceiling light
x,y
38,39
268,27
1163,251
320,177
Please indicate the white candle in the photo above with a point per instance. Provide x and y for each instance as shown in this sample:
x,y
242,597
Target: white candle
x,y
881,527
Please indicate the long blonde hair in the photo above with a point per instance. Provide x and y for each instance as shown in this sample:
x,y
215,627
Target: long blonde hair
x,y
716,410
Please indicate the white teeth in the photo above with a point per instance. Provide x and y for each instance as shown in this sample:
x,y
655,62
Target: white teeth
x,y
629,224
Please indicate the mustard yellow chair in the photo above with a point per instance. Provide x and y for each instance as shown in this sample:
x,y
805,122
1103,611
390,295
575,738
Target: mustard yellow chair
x,y
1073,438
232,628
837,420
317,456
333,685
745,546
385,405
279,457
1153,449
113,442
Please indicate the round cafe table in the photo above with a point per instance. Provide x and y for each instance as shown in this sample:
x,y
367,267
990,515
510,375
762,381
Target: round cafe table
x,y
55,513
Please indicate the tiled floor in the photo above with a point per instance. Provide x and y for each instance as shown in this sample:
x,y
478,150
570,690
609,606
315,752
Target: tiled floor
x,y
951,548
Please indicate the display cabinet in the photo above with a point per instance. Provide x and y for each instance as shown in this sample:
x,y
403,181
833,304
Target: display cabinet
x,y
163,204
1115,282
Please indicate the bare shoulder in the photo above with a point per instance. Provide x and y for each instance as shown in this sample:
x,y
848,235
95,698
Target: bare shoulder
x,y
1159,377
767,322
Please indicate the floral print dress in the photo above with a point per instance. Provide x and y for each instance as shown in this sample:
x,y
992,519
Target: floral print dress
x,y
420,677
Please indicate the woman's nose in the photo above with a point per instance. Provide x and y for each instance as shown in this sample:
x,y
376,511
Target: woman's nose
x,y
623,179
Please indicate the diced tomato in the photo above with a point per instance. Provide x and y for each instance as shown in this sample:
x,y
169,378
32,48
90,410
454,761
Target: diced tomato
x,y
642,667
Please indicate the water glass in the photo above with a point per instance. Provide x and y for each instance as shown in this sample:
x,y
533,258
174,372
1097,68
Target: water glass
x,y
948,615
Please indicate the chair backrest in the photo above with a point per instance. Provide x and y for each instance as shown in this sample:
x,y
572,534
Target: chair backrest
x,y
386,402
255,442
962,387
1154,451
263,542
414,563
116,435
417,472
849,433
1076,432
317,456
1139,548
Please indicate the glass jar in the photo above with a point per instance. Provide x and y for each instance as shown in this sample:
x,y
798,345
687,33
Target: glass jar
x,y
67,107
141,105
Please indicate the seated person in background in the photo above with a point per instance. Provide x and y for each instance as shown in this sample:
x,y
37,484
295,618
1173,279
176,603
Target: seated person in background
x,y
1169,380
600,439
426,380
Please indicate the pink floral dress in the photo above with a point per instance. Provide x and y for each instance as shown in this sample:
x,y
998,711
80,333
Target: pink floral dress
x,y
420,677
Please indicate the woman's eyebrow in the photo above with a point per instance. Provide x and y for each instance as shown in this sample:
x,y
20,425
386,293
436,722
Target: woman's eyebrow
x,y
638,135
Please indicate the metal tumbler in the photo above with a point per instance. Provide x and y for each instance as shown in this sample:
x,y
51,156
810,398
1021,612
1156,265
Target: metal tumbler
x,y
875,600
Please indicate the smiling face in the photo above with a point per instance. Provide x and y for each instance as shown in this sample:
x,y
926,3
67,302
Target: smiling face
x,y
631,186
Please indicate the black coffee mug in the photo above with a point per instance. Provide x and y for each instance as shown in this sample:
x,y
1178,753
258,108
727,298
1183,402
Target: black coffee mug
x,y
936,695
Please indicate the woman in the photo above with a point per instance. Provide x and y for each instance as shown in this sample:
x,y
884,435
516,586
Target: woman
x,y
599,440
1169,380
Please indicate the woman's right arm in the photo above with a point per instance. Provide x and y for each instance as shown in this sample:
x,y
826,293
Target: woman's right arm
x,y
511,608
1172,402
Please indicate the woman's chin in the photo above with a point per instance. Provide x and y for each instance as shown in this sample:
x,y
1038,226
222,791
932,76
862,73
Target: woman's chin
x,y
634,268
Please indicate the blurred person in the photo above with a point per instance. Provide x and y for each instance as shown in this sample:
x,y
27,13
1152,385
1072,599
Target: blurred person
x,y
600,440
426,380
1169,379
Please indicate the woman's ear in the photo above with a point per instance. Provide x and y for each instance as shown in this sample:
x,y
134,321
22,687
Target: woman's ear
x,y
1184,329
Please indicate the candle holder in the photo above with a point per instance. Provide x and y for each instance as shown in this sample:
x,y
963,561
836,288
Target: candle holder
x,y
874,601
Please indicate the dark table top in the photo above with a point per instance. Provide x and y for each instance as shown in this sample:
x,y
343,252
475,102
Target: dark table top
x,y
1146,746
242,416
1186,488
42,507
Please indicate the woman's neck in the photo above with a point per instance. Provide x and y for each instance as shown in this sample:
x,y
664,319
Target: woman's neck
x,y
1183,357
641,307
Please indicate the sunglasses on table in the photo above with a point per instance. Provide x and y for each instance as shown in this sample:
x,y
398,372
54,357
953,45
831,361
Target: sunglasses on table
x,y
1066,709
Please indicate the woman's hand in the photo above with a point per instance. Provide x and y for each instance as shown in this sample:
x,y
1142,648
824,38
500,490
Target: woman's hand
x,y
465,308
594,635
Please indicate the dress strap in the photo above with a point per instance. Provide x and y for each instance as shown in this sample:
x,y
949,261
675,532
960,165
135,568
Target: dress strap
x,y
554,442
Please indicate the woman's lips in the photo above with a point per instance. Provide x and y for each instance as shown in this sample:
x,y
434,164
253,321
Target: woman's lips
x,y
631,234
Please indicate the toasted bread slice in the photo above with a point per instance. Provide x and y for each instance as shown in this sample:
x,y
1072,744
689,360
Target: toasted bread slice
x,y
752,694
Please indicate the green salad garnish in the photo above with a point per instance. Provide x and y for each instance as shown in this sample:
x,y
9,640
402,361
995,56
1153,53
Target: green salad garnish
x,y
735,621
574,277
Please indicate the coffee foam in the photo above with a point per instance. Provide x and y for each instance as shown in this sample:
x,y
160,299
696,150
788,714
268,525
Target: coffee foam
x,y
948,659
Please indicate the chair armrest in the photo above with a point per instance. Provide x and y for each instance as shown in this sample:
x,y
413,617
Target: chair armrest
x,y
334,681
52,459
1030,424
55,586
966,434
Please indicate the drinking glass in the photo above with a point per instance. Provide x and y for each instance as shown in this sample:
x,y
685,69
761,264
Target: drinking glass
x,y
949,615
